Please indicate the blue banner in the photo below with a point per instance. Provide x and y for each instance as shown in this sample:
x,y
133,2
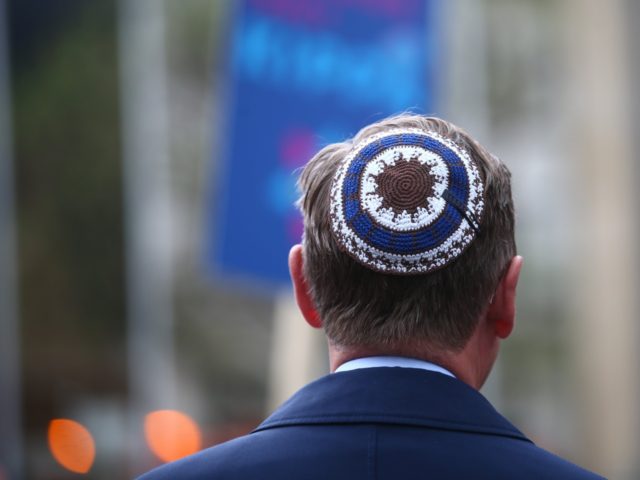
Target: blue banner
x,y
302,74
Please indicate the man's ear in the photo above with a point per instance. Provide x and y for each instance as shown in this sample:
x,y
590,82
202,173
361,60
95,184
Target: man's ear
x,y
502,309
300,289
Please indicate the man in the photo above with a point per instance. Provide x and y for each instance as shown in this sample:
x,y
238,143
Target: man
x,y
409,265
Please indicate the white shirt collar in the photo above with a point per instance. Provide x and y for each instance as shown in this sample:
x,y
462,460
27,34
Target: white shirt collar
x,y
383,361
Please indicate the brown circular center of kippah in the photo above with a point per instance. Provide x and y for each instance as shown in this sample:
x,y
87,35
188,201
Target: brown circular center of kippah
x,y
405,186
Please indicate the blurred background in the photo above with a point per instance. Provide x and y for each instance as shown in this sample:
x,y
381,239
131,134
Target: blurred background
x,y
147,173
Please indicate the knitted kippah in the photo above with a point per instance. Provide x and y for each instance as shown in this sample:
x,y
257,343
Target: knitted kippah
x,y
406,202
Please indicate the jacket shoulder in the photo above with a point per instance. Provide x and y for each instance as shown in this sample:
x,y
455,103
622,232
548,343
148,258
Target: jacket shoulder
x,y
208,463
356,451
541,463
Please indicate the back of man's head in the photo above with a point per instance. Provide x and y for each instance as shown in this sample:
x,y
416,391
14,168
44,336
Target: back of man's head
x,y
361,302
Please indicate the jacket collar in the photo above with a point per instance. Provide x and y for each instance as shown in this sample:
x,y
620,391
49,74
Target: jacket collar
x,y
397,396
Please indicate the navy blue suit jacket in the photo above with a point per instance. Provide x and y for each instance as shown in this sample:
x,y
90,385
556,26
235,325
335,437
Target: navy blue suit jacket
x,y
379,423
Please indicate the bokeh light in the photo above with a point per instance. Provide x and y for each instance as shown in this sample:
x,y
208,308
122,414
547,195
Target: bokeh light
x,y
171,434
72,445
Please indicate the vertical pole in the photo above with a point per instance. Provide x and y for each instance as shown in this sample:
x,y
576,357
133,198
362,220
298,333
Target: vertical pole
x,y
466,88
146,170
297,353
605,329
10,395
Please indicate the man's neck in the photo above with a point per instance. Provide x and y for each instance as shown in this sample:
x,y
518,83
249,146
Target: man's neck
x,y
469,365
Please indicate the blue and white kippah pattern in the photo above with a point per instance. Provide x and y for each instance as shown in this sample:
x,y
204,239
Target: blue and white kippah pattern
x,y
406,202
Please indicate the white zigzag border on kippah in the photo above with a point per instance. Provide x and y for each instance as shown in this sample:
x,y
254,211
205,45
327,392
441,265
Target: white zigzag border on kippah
x,y
389,262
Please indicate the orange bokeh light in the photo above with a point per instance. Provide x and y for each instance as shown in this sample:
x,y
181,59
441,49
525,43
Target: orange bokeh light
x,y
171,434
72,445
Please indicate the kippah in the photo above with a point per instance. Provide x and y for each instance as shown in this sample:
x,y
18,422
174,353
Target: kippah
x,y
406,201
